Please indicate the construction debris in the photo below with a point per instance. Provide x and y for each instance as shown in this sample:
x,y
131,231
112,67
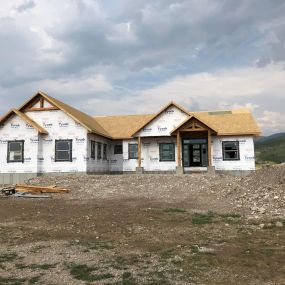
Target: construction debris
x,y
27,191
41,189
27,195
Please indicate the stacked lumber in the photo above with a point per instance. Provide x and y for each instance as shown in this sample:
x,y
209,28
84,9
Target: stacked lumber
x,y
39,189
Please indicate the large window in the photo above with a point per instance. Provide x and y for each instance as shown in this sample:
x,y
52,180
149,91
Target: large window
x,y
231,150
93,144
104,151
118,149
99,150
63,150
15,151
166,152
133,151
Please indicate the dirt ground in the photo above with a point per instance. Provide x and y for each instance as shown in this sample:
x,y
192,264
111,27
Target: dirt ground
x,y
146,229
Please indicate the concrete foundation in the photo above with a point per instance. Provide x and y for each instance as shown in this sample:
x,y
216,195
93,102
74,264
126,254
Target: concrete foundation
x,y
179,170
211,169
139,170
14,178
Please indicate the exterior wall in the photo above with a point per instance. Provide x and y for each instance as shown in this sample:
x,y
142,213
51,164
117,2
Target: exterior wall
x,y
247,159
98,165
164,123
150,154
60,126
17,129
116,160
128,164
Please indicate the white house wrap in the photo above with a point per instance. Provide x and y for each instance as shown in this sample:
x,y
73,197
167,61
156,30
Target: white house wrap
x,y
46,136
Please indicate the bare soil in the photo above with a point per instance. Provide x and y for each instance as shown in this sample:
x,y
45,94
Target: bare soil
x,y
147,229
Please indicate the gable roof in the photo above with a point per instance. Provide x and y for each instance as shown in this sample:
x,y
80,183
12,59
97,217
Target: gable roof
x,y
234,122
82,118
190,119
25,118
122,127
158,113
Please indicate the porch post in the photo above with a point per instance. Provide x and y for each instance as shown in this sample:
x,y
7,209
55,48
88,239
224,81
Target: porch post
x,y
139,168
209,148
179,168
139,152
178,149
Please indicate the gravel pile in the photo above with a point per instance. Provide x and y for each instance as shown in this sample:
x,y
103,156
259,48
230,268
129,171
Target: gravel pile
x,y
261,193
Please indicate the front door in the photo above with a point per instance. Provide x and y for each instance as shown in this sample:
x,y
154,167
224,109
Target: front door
x,y
195,153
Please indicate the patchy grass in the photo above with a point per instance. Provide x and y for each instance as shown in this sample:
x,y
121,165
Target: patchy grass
x,y
175,210
201,219
86,273
11,281
44,266
127,279
8,257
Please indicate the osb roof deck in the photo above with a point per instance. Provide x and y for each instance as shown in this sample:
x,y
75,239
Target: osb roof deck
x,y
235,122
122,127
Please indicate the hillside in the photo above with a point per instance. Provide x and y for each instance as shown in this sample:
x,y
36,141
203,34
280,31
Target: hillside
x,y
270,149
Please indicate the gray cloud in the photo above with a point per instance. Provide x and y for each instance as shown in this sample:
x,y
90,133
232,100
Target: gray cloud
x,y
133,45
26,6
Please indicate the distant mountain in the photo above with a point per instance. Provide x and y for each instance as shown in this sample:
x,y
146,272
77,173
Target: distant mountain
x,y
270,149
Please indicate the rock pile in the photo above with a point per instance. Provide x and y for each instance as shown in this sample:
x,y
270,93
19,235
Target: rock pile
x,y
262,192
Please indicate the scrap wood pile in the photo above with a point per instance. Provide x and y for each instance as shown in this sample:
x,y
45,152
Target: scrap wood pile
x,y
31,191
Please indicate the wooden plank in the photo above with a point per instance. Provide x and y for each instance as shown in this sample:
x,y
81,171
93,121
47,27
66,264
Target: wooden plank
x,y
139,152
42,102
209,148
43,189
41,109
178,149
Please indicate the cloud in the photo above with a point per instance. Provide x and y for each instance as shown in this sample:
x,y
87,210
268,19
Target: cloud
x,y
271,122
141,54
26,6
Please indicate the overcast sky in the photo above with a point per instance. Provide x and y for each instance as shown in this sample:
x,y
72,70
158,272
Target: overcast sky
x,y
133,56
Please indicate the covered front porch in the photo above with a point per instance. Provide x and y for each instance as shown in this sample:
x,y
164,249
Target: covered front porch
x,y
193,139
193,151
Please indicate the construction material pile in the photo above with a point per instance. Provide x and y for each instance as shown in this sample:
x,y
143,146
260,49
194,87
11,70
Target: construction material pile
x,y
31,191
262,192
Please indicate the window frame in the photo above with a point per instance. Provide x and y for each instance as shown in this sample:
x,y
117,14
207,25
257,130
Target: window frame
x,y
129,150
160,151
121,149
93,148
99,148
70,151
238,151
105,146
8,151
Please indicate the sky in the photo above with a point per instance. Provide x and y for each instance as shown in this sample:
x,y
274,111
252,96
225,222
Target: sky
x,y
134,56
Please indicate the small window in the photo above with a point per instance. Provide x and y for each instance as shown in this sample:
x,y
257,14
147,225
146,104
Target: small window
x,y
104,151
118,149
166,152
15,151
99,150
93,144
231,150
63,150
133,151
